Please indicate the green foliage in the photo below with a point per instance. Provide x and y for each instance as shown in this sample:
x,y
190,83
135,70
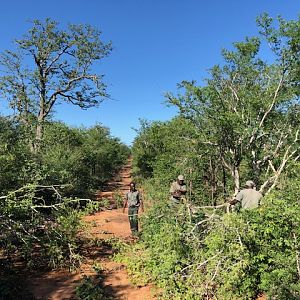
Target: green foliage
x,y
162,250
46,165
254,251
41,233
163,150
59,71
15,158
135,257
91,287
61,246
154,144
82,157
40,213
242,124
225,256
243,113
119,199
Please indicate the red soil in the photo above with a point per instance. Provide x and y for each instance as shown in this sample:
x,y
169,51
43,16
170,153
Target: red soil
x,y
58,285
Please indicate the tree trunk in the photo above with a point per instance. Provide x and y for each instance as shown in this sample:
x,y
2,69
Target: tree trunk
x,y
42,112
40,123
224,180
213,185
38,135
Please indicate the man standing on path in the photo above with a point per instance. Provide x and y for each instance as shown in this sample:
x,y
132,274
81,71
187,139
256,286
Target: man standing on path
x,y
133,200
178,190
248,198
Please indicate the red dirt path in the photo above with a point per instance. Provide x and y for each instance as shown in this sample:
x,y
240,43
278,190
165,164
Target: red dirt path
x,y
59,285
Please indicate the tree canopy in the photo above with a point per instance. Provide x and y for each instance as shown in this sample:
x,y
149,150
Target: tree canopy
x,y
52,65
241,124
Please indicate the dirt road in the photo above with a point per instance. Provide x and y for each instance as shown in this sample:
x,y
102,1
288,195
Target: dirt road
x,y
58,285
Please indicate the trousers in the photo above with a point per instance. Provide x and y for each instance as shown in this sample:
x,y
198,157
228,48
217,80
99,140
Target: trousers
x,y
133,219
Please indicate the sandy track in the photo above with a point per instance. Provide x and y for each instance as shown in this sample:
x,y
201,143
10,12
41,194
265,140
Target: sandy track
x,y
58,285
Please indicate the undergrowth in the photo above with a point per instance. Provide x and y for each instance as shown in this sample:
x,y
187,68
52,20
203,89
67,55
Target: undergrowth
x,y
215,255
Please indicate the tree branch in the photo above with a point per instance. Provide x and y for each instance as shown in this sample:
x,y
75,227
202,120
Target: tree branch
x,y
273,102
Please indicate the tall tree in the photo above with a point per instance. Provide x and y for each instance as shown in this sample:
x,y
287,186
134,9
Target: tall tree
x,y
52,65
249,110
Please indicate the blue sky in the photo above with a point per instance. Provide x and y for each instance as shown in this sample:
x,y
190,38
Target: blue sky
x,y
157,44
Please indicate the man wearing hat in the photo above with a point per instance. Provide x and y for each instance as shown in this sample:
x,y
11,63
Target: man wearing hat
x,y
248,198
178,190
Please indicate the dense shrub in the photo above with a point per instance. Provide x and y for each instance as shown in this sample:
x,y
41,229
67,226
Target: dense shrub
x,y
225,256
16,162
83,158
163,150
41,233
242,123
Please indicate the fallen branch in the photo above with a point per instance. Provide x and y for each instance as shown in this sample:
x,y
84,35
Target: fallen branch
x,y
212,206
55,206
202,221
36,188
201,264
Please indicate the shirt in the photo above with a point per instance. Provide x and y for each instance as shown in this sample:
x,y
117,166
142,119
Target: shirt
x,y
249,198
181,189
133,198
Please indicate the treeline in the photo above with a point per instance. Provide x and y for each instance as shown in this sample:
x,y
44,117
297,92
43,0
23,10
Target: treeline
x,y
49,171
50,65
82,158
242,124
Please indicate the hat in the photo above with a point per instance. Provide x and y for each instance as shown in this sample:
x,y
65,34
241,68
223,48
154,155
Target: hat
x,y
250,183
180,177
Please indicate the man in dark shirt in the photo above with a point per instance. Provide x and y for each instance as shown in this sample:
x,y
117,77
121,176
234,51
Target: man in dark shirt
x,y
133,200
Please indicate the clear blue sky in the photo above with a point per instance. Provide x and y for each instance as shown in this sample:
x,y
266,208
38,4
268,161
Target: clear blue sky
x,y
157,44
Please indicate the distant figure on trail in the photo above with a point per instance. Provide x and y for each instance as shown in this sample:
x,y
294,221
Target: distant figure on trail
x,y
133,200
178,190
248,198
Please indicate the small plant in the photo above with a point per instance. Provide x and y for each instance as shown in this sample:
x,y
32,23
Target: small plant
x,y
92,207
118,199
91,287
104,203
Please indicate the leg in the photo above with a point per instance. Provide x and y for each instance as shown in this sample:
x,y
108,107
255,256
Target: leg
x,y
133,219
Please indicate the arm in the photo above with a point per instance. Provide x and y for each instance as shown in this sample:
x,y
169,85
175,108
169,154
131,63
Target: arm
x,y
183,189
236,199
260,201
174,191
233,201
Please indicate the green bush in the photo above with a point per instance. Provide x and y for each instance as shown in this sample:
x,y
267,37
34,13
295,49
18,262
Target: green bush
x,y
41,233
91,287
227,256
16,164
83,157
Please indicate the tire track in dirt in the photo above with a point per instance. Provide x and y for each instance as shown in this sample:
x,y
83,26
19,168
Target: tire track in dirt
x,y
58,285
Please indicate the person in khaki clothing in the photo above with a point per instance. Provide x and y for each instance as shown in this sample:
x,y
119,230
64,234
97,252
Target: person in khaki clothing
x,y
133,200
248,198
178,190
